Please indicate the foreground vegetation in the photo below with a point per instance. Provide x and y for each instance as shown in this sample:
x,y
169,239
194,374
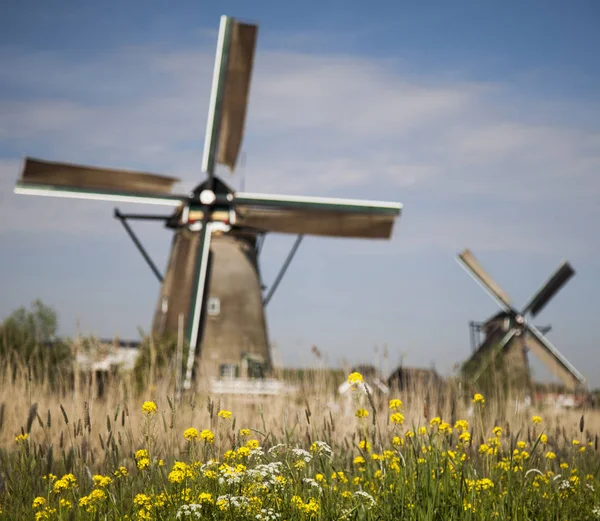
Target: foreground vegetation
x,y
381,466
135,451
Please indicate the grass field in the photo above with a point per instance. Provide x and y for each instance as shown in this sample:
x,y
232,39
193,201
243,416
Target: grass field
x,y
69,455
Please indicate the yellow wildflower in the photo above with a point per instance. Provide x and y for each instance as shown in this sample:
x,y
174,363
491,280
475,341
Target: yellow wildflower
x,y
465,437
205,497
90,502
359,460
226,415
252,444
142,453
244,432
38,502
396,404
397,418
121,472
21,438
190,434
66,482
149,408
478,398
536,419
355,378
207,436
243,452
361,413
462,425
445,428
102,481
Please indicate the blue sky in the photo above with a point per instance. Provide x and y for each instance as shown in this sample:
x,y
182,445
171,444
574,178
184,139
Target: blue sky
x,y
481,119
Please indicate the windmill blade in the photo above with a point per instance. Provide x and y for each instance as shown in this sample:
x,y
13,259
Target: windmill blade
x,y
468,261
197,297
237,88
46,178
68,175
553,359
558,279
497,349
100,195
316,215
229,95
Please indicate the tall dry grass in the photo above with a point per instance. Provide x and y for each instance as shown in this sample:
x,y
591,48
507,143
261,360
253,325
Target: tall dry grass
x,y
57,410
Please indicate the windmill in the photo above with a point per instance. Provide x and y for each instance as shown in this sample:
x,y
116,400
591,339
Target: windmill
x,y
509,335
212,280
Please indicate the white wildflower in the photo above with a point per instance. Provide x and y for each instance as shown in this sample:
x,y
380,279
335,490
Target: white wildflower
x,y
193,511
275,450
366,499
313,483
322,448
268,514
302,454
235,501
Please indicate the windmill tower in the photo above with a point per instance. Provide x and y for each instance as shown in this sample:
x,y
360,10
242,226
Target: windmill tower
x,y
509,336
213,278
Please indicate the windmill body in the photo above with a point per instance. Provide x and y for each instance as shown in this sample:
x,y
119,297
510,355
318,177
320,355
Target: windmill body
x,y
212,283
513,364
509,335
233,315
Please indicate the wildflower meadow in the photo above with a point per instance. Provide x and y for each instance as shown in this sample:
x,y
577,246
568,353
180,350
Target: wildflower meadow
x,y
168,460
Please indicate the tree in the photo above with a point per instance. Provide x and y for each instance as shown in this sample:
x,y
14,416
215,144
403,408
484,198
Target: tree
x,y
28,337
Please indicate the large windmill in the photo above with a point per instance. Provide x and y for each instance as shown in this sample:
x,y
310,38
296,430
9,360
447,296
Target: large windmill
x,y
212,280
509,335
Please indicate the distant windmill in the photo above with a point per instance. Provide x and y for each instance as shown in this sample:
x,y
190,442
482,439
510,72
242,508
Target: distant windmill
x,y
212,277
508,334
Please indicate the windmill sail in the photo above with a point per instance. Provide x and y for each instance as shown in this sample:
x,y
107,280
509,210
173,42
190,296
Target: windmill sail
x,y
85,182
235,95
471,264
553,359
229,95
552,286
316,215
52,174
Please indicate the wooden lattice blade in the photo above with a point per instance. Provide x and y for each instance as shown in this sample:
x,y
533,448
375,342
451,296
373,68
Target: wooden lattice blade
x,y
236,88
316,215
553,359
558,279
471,264
82,177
